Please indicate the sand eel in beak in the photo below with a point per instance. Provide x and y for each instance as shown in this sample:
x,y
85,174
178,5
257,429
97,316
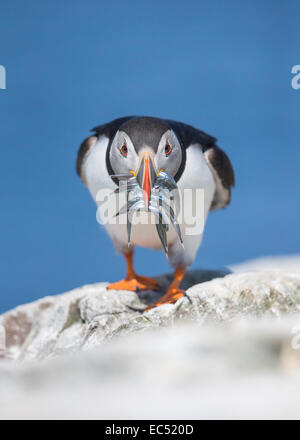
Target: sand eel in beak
x,y
148,199
151,161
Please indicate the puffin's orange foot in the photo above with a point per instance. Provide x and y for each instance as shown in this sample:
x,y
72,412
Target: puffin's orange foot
x,y
170,297
135,283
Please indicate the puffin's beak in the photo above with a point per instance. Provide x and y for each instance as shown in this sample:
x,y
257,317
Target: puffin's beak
x,y
146,175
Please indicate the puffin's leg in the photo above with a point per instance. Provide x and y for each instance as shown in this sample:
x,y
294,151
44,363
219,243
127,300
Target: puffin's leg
x,y
133,281
173,292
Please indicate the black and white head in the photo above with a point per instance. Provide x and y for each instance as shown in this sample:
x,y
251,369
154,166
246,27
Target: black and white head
x,y
144,147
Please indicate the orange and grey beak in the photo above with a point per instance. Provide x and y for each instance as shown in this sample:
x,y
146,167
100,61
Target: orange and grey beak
x,y
146,176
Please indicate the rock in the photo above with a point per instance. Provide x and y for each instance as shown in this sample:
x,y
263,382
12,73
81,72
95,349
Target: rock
x,y
245,368
83,317
91,315
290,263
230,349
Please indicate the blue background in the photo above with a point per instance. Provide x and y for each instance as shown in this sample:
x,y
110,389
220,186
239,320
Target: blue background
x,y
224,67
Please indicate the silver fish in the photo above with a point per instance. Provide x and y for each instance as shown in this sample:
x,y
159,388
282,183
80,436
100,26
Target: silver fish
x,y
128,185
165,179
121,176
171,215
169,191
131,205
164,197
161,227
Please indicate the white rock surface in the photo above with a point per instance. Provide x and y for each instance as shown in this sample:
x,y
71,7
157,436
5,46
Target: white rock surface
x,y
228,350
288,263
244,369
87,316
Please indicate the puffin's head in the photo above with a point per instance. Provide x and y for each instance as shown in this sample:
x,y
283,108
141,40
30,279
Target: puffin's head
x,y
144,147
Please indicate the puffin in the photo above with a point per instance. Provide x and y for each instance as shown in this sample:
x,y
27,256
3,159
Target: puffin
x,y
145,151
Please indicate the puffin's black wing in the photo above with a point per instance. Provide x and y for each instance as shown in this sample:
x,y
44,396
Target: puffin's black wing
x,y
217,160
221,167
107,130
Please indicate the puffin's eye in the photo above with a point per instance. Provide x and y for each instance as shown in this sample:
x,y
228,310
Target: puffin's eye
x,y
124,150
168,149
